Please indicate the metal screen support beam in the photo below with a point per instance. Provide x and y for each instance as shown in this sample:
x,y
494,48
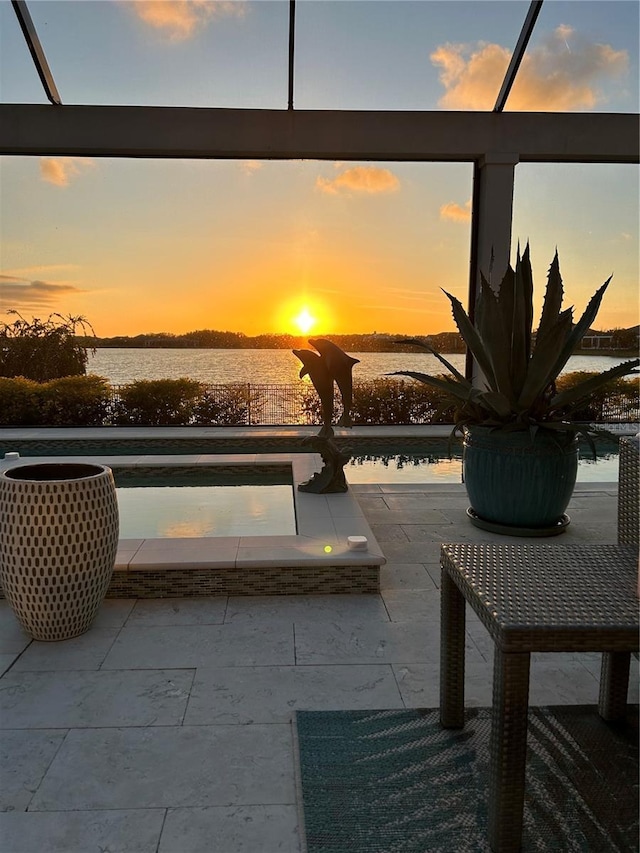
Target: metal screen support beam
x,y
201,133
518,54
35,49
292,41
491,221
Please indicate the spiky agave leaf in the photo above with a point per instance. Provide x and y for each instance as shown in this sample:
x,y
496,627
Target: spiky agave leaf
x,y
496,402
542,365
552,298
581,328
493,333
457,389
522,320
472,339
441,359
479,313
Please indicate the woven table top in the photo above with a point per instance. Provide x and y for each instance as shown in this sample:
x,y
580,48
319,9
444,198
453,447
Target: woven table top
x,y
550,597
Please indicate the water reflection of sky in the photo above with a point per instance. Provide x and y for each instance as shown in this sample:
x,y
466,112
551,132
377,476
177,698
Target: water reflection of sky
x,y
431,469
193,511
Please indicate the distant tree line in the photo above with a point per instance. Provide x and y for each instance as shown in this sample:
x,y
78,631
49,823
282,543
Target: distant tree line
x,y
445,342
450,342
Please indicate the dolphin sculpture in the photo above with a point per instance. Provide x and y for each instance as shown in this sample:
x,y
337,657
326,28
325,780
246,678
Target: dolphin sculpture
x,y
339,366
316,368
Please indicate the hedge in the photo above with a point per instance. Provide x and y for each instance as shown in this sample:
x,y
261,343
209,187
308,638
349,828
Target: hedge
x,y
91,401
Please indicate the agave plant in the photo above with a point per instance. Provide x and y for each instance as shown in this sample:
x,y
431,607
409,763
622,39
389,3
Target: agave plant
x,y
519,367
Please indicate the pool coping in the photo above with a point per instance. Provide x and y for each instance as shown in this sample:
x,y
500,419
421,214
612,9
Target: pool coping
x,y
318,557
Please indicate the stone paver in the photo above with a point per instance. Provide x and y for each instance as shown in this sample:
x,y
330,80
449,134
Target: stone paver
x,y
115,831
179,611
35,700
299,609
85,652
268,694
25,756
190,646
405,576
249,829
415,641
169,766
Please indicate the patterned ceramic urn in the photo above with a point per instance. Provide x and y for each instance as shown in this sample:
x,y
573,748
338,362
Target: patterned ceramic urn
x,y
58,542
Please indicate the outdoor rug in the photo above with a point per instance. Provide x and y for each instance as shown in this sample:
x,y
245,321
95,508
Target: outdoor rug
x,y
396,782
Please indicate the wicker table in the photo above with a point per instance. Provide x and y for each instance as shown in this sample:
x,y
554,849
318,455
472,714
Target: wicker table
x,y
533,598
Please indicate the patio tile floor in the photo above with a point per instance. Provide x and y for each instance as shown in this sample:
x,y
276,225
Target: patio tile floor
x,y
167,727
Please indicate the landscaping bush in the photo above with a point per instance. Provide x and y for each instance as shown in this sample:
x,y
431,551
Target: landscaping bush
x,y
19,402
71,401
385,401
227,405
157,402
75,401
91,401
388,401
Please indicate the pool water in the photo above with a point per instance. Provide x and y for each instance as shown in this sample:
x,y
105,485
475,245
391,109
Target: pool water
x,y
191,501
436,467
151,512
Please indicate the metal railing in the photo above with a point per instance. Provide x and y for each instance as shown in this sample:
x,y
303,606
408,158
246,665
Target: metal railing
x,y
254,404
231,404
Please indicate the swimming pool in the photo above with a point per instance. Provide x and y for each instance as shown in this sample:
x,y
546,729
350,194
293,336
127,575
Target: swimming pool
x,y
167,502
314,559
435,466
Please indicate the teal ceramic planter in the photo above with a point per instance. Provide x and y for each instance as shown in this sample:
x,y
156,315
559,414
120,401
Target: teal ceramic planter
x,y
516,482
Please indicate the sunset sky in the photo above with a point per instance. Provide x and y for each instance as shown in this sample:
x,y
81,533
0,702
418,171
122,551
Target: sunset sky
x,y
153,245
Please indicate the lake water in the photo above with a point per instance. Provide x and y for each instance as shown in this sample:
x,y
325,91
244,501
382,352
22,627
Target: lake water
x,y
271,367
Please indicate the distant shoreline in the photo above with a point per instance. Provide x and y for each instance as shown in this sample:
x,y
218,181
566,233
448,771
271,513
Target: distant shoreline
x,y
449,343
613,353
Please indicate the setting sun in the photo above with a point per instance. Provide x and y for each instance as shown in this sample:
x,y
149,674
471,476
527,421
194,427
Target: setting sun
x,y
304,321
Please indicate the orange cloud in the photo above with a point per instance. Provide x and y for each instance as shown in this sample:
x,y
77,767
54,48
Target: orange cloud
x,y
456,212
60,170
23,295
179,19
561,73
361,179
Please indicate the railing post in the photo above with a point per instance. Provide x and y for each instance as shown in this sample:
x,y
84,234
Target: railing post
x,y
249,403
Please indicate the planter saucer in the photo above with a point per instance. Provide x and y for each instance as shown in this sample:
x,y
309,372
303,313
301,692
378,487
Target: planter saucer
x,y
510,530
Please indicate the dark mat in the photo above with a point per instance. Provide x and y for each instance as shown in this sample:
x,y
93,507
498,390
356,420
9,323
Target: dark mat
x,y
396,782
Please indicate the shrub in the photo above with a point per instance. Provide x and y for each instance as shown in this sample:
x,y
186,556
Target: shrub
x,y
75,401
157,402
43,349
386,401
71,401
227,405
19,402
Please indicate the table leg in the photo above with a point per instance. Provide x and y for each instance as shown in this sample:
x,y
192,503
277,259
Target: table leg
x,y
452,615
508,749
614,685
